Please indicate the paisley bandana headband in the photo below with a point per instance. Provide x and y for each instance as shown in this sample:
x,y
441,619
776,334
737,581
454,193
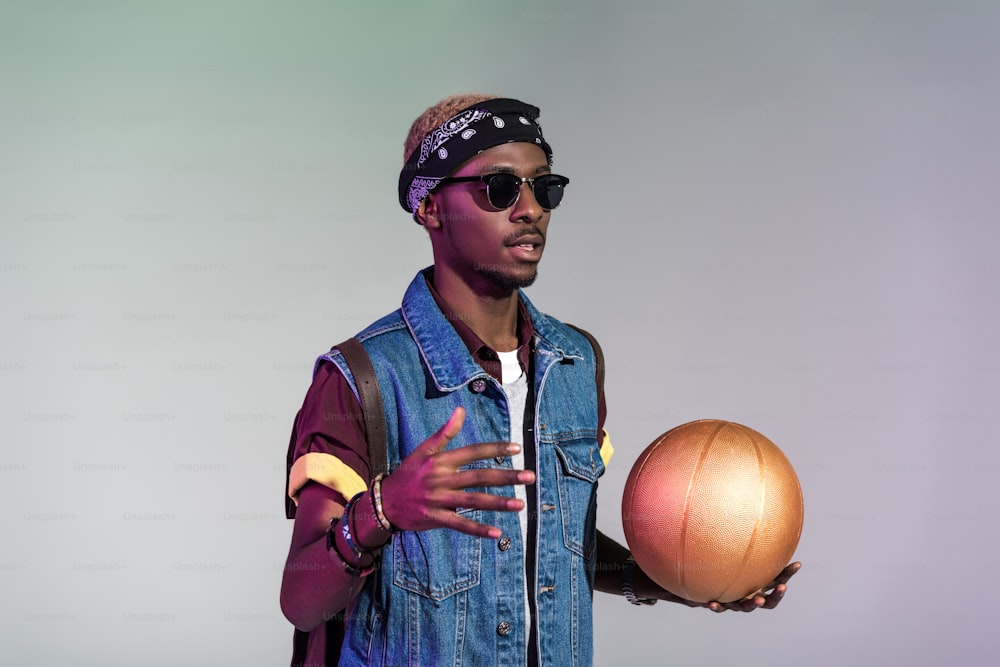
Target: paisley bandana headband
x,y
464,135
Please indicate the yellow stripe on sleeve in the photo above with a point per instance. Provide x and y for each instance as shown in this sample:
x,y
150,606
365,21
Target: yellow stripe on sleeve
x,y
327,470
607,451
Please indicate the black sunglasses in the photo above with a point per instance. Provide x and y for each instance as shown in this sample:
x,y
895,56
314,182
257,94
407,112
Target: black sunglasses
x,y
503,190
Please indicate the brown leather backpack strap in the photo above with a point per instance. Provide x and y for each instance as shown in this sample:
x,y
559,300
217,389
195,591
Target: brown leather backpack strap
x,y
371,402
598,354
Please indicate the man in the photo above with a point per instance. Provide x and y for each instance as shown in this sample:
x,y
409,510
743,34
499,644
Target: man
x,y
480,546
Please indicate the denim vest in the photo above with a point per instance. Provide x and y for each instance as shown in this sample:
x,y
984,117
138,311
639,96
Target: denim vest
x,y
446,598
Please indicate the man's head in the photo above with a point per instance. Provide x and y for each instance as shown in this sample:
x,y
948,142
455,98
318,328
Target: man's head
x,y
462,131
468,160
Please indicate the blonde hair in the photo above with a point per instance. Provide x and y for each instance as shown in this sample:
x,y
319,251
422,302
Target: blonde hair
x,y
438,114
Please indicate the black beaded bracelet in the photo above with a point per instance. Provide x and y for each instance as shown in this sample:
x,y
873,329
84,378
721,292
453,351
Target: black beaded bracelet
x,y
345,527
331,547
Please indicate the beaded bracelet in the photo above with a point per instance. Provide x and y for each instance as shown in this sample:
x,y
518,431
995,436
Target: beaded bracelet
x,y
377,504
331,547
345,527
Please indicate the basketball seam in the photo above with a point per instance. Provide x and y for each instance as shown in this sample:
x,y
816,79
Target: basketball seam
x,y
681,562
762,485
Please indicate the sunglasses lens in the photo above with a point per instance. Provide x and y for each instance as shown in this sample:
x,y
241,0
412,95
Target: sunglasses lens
x,y
549,190
502,190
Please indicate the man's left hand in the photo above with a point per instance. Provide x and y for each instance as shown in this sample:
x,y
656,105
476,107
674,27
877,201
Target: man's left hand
x,y
768,597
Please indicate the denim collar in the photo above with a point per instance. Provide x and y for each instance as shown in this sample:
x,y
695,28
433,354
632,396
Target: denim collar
x,y
448,359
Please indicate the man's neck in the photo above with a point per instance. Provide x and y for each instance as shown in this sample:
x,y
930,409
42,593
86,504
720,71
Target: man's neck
x,y
492,315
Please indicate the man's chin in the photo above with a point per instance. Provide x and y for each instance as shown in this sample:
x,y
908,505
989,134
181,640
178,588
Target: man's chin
x,y
508,280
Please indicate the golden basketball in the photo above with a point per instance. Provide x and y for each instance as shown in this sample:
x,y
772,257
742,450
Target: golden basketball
x,y
712,510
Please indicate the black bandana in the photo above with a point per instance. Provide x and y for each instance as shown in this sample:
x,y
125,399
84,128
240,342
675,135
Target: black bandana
x,y
464,135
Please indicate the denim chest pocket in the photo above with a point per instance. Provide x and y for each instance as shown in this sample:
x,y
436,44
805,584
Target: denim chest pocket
x,y
437,563
579,465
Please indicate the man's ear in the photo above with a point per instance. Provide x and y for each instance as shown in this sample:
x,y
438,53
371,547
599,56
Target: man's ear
x,y
427,212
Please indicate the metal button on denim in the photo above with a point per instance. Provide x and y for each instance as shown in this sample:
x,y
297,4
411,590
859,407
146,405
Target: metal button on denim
x,y
503,629
478,386
504,543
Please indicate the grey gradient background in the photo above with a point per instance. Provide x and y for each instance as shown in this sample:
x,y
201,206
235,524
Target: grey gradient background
x,y
782,214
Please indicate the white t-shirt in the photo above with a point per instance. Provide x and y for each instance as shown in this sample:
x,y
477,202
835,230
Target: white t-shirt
x,y
515,386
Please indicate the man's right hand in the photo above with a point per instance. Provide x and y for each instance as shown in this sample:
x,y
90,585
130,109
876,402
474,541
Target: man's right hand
x,y
427,487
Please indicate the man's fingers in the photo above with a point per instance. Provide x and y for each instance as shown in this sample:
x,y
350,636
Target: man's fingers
x,y
448,519
482,501
745,604
443,435
454,423
479,451
787,573
774,598
467,479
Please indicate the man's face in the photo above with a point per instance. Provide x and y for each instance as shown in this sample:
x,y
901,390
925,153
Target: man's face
x,y
492,251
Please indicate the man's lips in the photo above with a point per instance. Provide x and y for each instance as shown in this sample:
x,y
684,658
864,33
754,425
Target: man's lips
x,y
527,240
